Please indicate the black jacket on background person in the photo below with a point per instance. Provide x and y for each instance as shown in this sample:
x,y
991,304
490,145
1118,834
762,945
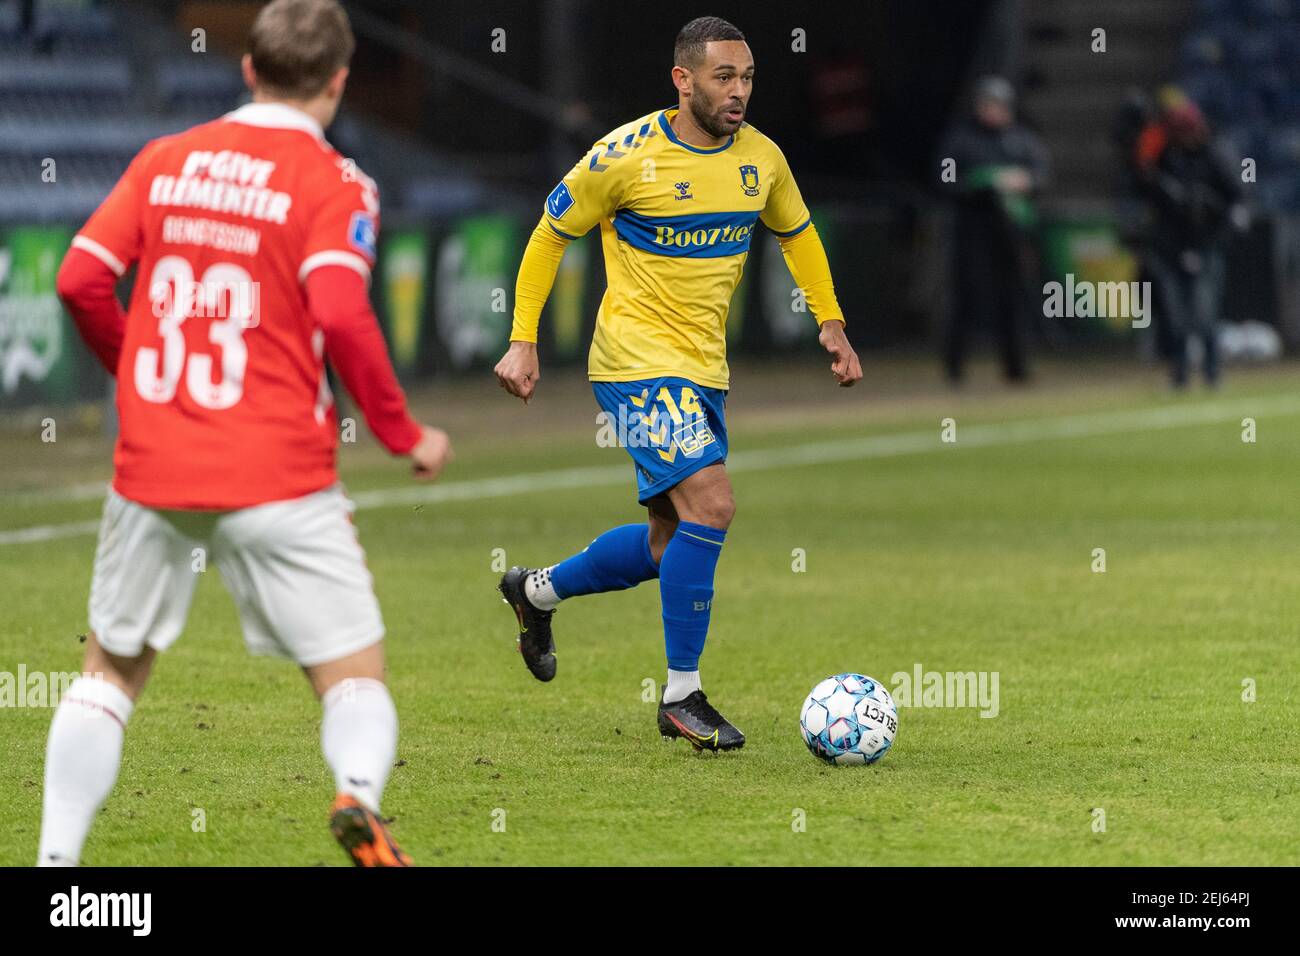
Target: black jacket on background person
x,y
1191,190
991,226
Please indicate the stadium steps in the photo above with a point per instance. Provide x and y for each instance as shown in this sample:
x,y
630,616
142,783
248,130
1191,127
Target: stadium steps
x,y
1076,94
90,86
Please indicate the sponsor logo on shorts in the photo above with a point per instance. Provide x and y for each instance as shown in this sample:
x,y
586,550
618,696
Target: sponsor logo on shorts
x,y
669,428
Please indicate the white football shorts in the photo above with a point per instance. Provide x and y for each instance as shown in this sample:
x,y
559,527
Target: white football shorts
x,y
295,569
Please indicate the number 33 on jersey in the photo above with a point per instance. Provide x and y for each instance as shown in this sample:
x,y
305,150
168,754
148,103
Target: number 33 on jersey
x,y
221,385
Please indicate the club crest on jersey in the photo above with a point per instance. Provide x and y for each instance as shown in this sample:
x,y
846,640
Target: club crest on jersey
x,y
683,190
749,180
361,233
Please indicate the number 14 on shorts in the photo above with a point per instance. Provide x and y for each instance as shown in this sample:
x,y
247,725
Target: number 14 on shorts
x,y
689,431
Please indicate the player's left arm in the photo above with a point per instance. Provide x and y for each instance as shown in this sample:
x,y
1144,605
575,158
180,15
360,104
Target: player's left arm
x,y
788,218
338,255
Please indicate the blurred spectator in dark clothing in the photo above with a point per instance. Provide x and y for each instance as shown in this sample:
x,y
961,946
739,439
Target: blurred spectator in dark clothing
x,y
1000,166
1137,116
1195,201
1137,113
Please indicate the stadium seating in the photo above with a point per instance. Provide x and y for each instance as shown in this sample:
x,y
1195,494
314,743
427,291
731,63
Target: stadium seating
x,y
1241,64
86,85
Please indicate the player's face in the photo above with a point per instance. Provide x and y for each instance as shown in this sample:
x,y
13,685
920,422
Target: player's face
x,y
721,87
993,113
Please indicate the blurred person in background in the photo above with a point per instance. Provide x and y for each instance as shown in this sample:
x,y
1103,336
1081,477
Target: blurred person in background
x,y
1000,166
1195,201
1137,116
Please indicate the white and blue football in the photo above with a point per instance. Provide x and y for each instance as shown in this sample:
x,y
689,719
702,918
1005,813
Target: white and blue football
x,y
849,719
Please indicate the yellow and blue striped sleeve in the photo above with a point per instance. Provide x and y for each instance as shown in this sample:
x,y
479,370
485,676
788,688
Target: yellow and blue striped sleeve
x,y
589,193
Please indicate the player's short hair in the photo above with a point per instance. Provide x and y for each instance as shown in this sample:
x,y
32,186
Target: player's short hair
x,y
688,51
297,45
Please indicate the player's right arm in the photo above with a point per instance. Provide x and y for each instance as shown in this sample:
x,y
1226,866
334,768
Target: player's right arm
x,y
101,252
518,372
589,193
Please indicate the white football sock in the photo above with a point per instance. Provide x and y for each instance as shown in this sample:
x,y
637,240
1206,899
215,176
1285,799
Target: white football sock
x,y
681,684
539,590
358,735
81,761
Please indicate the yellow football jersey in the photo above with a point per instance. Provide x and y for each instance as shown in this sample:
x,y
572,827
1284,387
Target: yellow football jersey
x,y
675,223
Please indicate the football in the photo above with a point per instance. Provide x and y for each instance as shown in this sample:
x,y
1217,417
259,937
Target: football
x,y
849,719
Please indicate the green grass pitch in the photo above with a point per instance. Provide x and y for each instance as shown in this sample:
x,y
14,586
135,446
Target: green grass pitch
x,y
1120,692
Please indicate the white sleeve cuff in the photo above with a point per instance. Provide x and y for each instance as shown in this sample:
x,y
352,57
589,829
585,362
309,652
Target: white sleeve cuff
x,y
334,257
99,252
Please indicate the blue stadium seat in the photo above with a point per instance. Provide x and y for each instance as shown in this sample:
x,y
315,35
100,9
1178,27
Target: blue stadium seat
x,y
1241,63
86,76
1240,140
1203,49
1267,11
198,84
1214,92
1217,9
64,25
1256,48
1284,148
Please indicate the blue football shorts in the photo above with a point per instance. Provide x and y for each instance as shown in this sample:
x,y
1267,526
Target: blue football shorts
x,y
670,426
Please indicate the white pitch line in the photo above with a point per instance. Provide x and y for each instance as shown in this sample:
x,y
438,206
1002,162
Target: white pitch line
x,y
1014,433
86,491
792,456
49,532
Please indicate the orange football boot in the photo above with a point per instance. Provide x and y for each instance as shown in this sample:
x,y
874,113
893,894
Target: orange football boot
x,y
364,835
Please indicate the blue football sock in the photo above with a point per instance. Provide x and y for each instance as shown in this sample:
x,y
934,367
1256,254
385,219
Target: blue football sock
x,y
686,589
618,559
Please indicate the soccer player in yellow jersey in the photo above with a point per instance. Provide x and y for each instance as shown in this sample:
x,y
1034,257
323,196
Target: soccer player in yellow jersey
x,y
677,195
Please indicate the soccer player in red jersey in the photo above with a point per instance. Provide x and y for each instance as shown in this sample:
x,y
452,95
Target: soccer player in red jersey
x,y
253,240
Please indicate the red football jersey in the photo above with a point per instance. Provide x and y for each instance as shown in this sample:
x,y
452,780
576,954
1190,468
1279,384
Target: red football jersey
x,y
222,396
